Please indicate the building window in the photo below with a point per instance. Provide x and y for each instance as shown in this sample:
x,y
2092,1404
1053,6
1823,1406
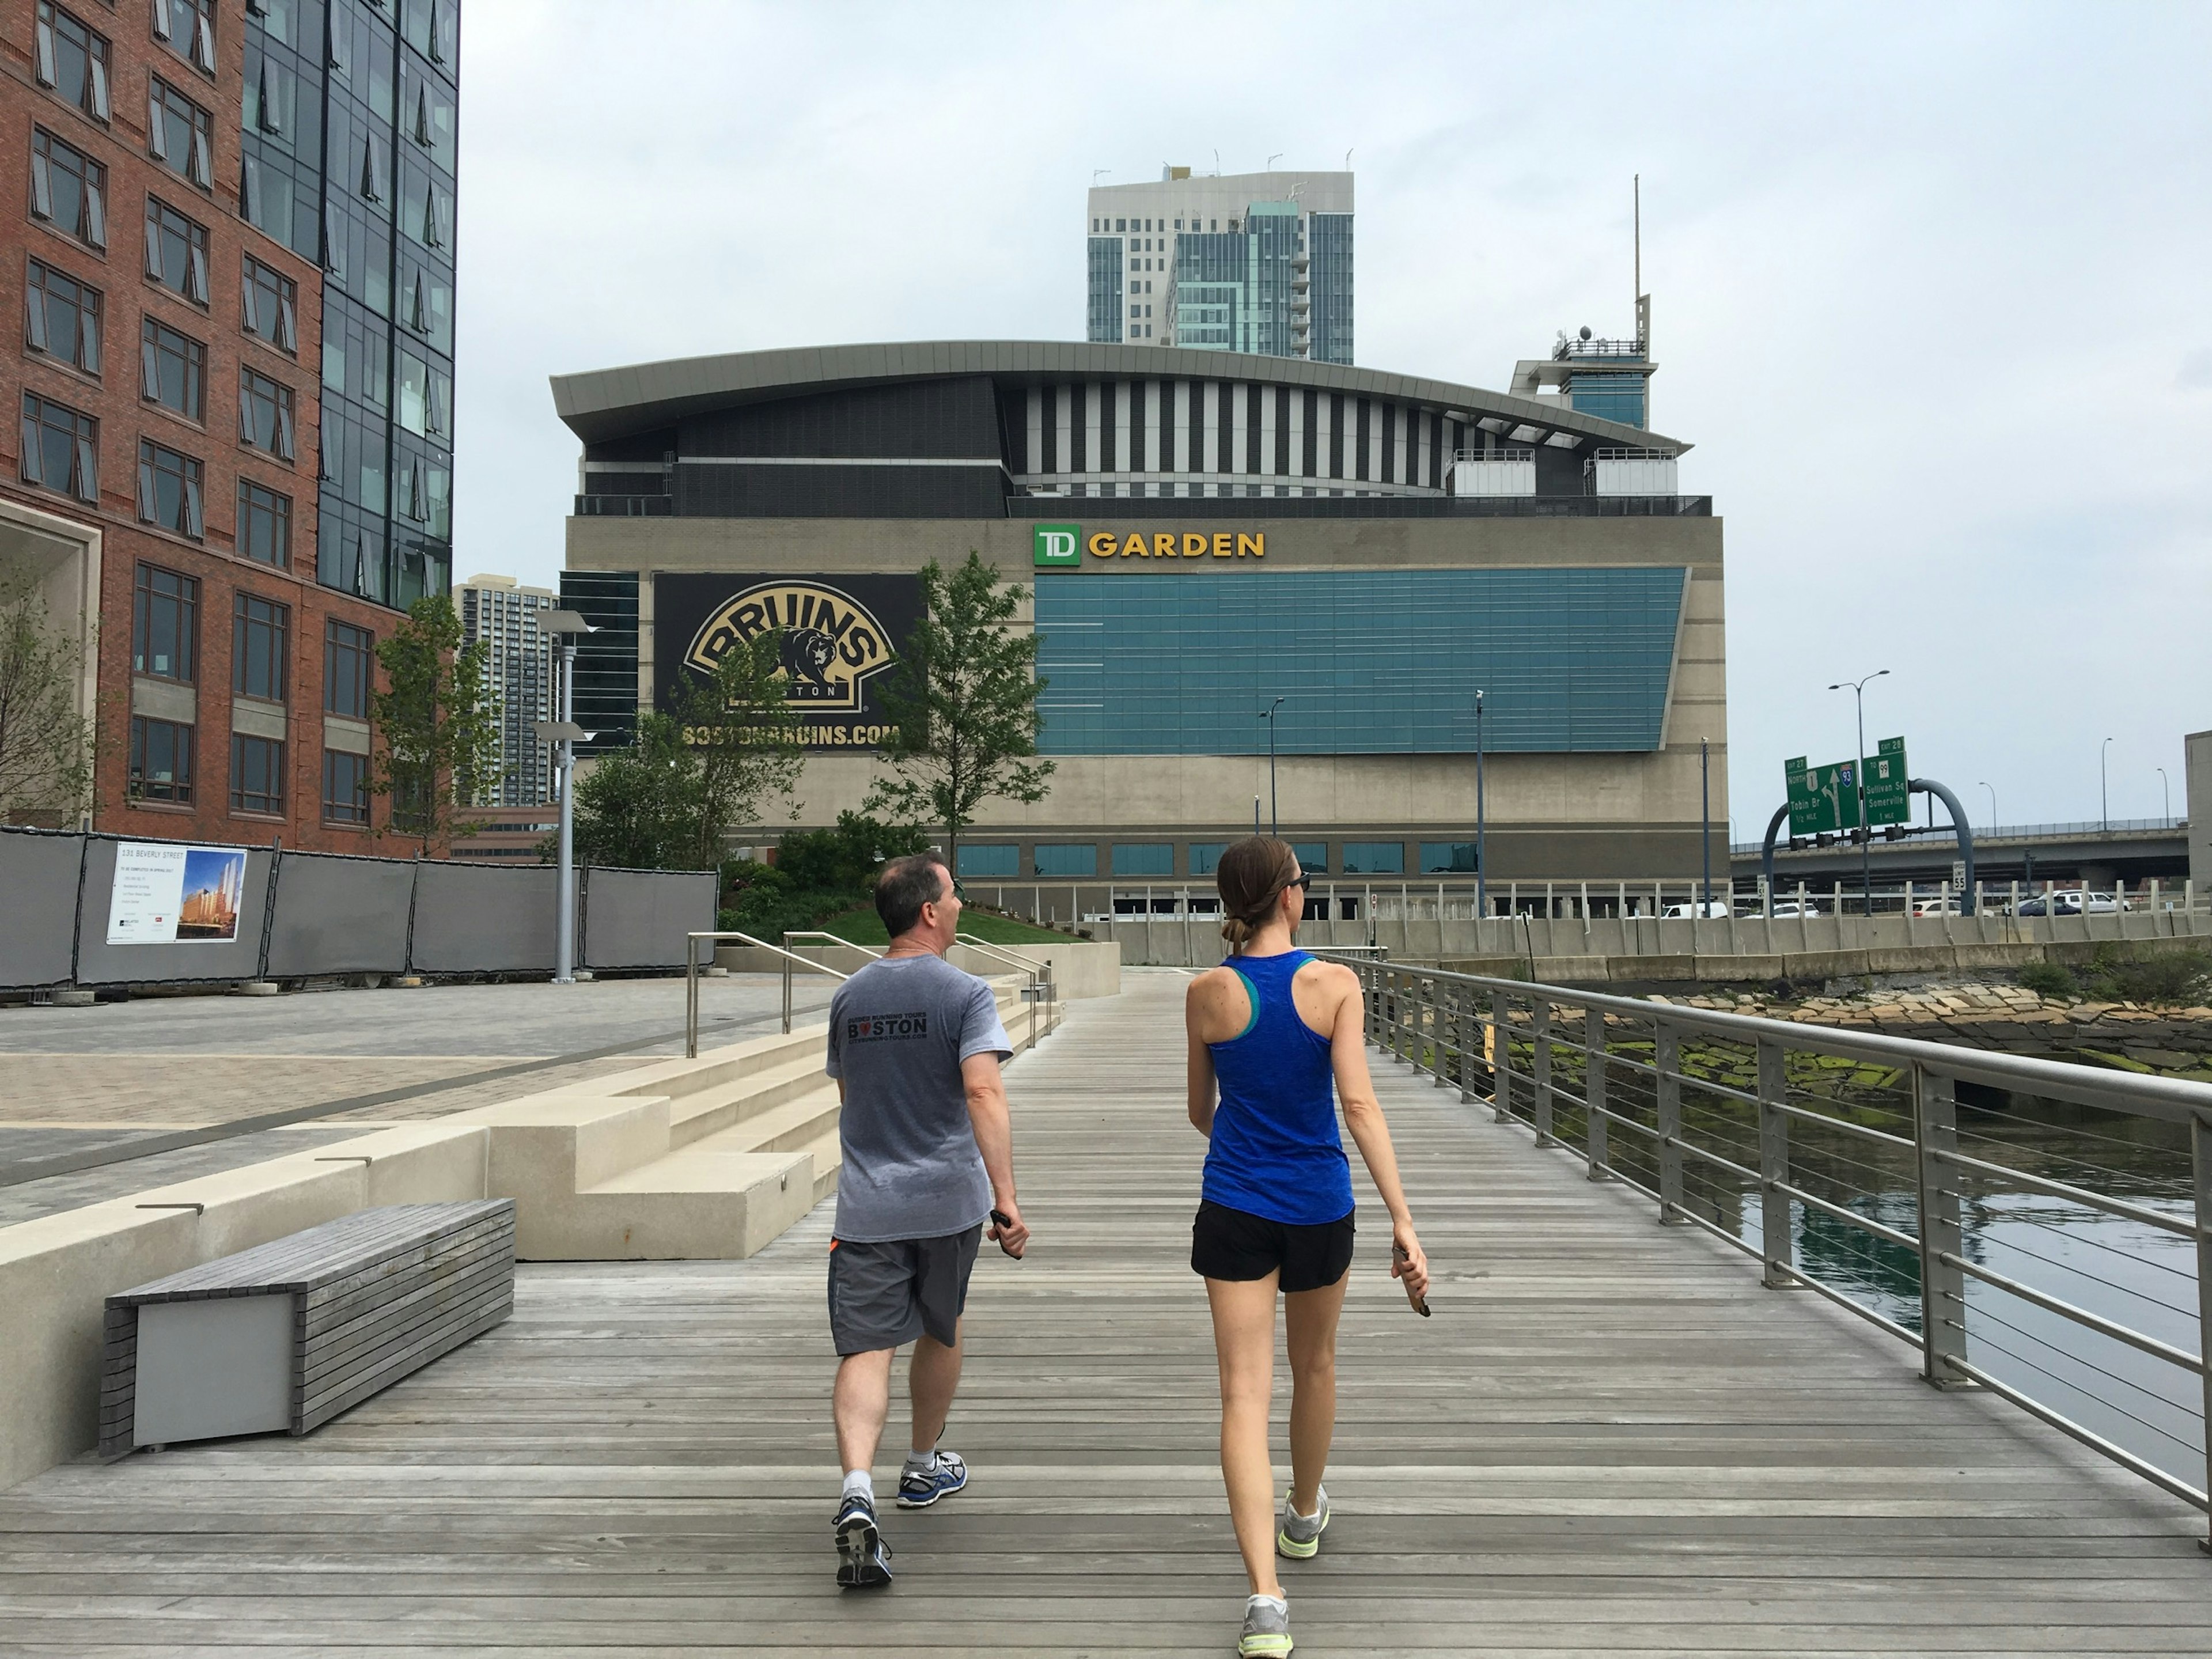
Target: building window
x,y
988,859
1066,860
161,759
69,189
260,630
172,370
169,489
62,318
349,654
1312,856
426,397
176,251
1206,856
1144,858
1374,858
187,28
264,524
165,624
264,414
257,775
346,787
72,60
179,134
1447,858
272,307
61,449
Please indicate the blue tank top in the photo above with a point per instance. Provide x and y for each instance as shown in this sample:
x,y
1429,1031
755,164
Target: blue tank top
x,y
1275,1151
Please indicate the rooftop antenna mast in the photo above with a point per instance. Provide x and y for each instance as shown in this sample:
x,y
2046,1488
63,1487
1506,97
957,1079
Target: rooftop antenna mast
x,y
1637,297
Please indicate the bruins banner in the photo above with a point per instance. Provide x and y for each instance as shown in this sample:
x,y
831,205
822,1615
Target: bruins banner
x,y
839,634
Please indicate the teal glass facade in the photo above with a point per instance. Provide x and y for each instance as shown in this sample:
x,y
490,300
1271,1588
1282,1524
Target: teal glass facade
x,y
1069,860
1155,858
988,859
1378,662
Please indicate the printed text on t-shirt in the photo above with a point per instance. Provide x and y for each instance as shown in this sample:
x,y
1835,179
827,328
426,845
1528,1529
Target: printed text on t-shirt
x,y
879,1027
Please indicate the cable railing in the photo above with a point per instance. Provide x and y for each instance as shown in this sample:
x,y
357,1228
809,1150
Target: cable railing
x,y
2039,1230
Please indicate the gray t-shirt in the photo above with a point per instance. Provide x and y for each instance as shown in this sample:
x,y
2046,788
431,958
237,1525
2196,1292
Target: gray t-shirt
x,y
898,1030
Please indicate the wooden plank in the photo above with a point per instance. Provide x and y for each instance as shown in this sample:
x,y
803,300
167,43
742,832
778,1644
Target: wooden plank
x,y
1609,1440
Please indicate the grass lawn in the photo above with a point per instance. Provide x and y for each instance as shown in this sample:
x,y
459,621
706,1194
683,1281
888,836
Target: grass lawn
x,y
865,927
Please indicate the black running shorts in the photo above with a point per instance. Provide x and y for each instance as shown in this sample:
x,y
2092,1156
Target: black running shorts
x,y
1226,1243
884,1296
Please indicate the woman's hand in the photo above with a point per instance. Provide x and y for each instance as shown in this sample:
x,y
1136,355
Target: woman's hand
x,y
1408,1261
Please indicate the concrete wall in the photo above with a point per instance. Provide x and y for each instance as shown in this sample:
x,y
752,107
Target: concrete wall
x,y
2196,795
1579,816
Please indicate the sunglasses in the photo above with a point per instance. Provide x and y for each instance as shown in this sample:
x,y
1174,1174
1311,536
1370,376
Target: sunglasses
x,y
1303,879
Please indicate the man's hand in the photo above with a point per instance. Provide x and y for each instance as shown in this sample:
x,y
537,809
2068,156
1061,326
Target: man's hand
x,y
1007,1229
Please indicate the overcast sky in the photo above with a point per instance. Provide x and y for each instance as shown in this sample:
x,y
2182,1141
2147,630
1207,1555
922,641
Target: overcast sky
x,y
1930,287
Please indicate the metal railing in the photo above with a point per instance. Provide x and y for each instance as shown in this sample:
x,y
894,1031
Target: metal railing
x,y
691,979
1651,1094
1040,989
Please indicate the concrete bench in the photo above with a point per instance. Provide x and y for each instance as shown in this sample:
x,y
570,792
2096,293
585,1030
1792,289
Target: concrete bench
x,y
288,1334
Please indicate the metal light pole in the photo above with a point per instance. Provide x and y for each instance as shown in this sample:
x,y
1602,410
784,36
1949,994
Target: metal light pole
x,y
1706,820
2104,793
2165,797
1993,808
1274,818
1481,856
566,626
1858,771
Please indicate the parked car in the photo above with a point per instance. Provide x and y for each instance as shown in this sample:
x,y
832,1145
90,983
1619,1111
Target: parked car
x,y
2071,901
1936,905
1691,912
1792,908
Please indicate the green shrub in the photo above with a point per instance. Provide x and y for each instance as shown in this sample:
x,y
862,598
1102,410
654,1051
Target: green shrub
x,y
2049,979
2180,977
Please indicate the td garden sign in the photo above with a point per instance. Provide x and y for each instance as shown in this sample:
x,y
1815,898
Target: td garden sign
x,y
837,635
1062,546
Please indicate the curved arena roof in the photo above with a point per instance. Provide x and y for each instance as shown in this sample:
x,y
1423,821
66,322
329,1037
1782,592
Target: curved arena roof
x,y
604,405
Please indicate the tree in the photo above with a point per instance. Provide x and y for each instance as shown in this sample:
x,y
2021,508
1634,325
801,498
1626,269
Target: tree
x,y
964,697
696,773
438,722
45,745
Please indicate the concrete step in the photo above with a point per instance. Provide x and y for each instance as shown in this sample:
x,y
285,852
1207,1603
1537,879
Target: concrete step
x,y
711,1111
788,1128
698,1203
828,1154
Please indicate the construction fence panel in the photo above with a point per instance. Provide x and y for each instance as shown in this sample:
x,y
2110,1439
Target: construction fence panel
x,y
639,918
206,924
484,919
337,913
38,893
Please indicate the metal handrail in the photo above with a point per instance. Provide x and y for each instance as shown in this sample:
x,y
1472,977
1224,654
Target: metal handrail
x,y
1040,978
691,979
1462,1028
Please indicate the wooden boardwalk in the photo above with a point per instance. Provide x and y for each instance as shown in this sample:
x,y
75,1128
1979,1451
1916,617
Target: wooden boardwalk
x,y
1608,1440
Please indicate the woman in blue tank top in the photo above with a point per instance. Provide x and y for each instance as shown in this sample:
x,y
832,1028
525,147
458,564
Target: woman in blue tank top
x,y
1271,1031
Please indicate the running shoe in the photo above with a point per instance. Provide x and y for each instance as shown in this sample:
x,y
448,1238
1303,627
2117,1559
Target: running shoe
x,y
1266,1629
1301,1533
863,1560
946,1474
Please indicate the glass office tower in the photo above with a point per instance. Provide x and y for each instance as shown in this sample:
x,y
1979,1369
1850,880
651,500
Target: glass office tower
x,y
351,120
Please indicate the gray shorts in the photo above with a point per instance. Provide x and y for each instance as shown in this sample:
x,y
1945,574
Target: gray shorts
x,y
884,1296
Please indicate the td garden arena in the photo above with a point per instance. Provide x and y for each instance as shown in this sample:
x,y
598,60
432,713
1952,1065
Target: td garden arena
x,y
1207,537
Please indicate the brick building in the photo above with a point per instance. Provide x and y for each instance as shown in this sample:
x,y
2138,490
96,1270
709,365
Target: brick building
x,y
229,232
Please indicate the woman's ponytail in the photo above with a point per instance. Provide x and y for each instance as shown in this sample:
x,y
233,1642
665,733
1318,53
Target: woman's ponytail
x,y
1250,877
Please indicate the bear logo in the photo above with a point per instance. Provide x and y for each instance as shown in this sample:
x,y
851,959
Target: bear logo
x,y
807,654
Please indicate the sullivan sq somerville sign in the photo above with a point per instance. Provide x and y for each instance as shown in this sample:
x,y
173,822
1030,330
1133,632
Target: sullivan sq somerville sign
x,y
837,635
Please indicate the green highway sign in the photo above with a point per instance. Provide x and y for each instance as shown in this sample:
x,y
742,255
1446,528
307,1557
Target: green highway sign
x,y
1824,800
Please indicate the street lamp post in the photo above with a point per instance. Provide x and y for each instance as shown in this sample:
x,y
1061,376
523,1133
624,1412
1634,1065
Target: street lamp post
x,y
2104,792
1993,808
566,626
1858,772
1706,823
2165,798
1481,856
1275,817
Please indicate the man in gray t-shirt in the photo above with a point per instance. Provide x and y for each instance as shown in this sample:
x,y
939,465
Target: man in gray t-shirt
x,y
915,1046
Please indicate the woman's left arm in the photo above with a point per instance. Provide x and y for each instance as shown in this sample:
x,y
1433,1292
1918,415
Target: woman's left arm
x,y
1363,1116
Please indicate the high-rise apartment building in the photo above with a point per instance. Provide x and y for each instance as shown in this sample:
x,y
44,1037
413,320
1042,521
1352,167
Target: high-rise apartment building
x,y
1255,262
505,615
233,246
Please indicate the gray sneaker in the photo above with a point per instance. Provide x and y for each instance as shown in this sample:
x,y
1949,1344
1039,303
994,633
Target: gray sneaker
x,y
1301,1534
1266,1629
